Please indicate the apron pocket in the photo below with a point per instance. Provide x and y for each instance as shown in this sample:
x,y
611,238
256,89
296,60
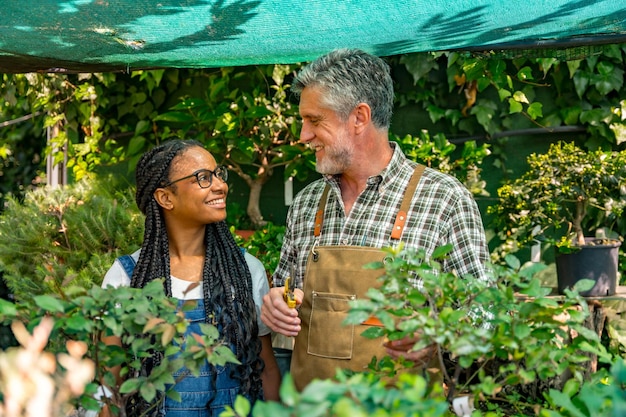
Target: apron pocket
x,y
328,336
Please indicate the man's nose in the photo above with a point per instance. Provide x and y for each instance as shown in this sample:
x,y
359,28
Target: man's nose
x,y
306,134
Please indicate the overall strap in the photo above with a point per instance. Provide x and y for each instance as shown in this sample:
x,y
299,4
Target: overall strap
x,y
128,263
398,225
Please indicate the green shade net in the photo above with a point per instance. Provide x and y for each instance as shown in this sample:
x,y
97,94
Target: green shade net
x,y
123,35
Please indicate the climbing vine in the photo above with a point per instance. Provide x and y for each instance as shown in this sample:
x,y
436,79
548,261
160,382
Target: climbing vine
x,y
109,118
488,94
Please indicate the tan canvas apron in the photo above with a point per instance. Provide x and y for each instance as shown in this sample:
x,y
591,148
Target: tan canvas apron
x,y
335,276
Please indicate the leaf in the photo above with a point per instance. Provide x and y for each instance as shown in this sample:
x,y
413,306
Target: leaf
x,y
136,145
522,330
147,391
131,385
581,82
609,78
288,392
512,261
242,405
49,303
79,323
563,400
174,116
441,251
520,97
142,126
525,74
223,355
572,66
373,332
168,334
418,65
356,317
503,93
515,106
7,308
484,113
535,110
152,323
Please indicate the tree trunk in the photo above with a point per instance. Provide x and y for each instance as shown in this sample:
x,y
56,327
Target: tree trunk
x,y
581,211
254,207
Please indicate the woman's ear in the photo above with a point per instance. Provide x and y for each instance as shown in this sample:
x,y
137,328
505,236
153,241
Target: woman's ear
x,y
162,197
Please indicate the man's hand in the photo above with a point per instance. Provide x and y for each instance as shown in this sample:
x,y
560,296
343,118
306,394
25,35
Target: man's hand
x,y
277,315
402,349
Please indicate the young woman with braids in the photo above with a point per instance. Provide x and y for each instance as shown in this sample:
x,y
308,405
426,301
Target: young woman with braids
x,y
182,193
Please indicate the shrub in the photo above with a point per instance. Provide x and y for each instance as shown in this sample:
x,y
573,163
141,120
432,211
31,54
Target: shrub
x,y
66,236
144,319
265,244
506,343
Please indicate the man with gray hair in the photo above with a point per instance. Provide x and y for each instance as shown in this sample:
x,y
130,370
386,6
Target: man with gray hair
x,y
370,196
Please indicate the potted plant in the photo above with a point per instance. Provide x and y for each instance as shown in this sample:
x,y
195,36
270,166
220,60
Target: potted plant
x,y
248,123
565,195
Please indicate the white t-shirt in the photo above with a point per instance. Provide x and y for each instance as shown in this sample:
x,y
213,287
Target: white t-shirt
x,y
116,276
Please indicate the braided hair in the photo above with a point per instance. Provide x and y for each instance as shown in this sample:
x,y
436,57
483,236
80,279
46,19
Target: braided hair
x,y
226,279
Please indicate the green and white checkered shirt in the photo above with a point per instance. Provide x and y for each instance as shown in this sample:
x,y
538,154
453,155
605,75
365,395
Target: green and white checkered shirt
x,y
442,211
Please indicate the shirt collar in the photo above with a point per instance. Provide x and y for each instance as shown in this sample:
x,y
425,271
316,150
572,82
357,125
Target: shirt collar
x,y
393,168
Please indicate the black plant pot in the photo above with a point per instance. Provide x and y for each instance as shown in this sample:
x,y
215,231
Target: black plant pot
x,y
597,262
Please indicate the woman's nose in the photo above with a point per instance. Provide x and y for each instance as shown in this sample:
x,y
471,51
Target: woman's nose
x,y
219,184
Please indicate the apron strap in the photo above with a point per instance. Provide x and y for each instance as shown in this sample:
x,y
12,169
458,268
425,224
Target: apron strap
x,y
319,216
398,225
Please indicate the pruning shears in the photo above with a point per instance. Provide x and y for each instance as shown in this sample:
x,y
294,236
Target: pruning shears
x,y
290,285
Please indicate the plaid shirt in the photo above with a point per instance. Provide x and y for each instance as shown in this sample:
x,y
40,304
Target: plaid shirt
x,y
442,211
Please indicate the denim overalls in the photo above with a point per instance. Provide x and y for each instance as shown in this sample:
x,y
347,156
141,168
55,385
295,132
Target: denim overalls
x,y
204,395
207,394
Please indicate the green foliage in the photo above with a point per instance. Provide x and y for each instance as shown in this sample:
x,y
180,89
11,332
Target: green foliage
x,y
490,94
102,118
503,337
66,236
247,122
265,244
110,119
566,191
506,344
437,153
599,398
237,218
144,320
360,395
22,139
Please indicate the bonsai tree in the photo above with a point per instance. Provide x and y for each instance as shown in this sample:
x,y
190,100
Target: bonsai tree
x,y
565,193
248,123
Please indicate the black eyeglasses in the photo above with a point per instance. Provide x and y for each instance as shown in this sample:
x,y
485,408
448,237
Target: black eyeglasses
x,y
204,177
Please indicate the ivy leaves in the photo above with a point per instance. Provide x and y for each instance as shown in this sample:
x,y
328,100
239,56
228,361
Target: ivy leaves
x,y
545,92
